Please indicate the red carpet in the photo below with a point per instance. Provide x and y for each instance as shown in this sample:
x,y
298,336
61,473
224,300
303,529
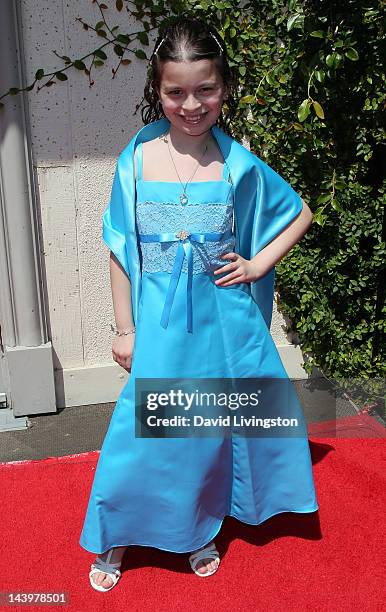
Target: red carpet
x,y
330,560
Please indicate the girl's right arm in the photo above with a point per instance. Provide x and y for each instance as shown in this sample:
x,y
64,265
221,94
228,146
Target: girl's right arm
x,y
123,346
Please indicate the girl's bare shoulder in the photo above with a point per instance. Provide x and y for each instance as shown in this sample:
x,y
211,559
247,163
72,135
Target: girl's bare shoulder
x,y
151,152
152,147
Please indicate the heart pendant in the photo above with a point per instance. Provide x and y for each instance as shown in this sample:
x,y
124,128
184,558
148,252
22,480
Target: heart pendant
x,y
183,198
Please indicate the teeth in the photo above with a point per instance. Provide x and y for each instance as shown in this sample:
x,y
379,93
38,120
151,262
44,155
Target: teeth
x,y
192,119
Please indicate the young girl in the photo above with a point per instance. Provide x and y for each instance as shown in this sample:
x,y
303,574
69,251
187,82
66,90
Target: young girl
x,y
195,226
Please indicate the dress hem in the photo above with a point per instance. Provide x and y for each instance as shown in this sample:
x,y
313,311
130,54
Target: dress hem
x,y
304,511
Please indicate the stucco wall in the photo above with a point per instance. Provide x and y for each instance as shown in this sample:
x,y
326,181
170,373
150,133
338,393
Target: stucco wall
x,y
77,134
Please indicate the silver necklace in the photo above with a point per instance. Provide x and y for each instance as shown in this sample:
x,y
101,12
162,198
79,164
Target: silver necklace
x,y
183,196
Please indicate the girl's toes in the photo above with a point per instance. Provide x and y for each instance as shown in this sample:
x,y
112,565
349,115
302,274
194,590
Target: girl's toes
x,y
102,580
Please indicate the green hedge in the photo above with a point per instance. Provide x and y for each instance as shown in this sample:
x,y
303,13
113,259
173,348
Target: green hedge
x,y
311,101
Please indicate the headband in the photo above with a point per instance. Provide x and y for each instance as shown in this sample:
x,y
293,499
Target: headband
x,y
221,49
211,34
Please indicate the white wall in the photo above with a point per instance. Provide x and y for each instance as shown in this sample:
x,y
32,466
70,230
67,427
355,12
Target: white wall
x,y
77,134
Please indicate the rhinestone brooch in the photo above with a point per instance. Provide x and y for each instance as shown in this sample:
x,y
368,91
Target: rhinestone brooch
x,y
182,234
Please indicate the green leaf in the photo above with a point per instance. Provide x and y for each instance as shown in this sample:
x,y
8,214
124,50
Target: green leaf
x,y
247,99
232,32
243,70
79,65
324,197
61,76
319,217
295,21
99,25
140,54
304,110
318,109
123,38
340,184
101,54
317,34
319,75
336,206
39,74
118,50
143,37
270,79
352,54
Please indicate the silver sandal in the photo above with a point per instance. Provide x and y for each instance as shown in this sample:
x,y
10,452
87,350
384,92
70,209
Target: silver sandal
x,y
111,569
209,552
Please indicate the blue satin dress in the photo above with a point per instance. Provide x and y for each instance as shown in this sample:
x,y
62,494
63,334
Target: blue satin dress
x,y
174,493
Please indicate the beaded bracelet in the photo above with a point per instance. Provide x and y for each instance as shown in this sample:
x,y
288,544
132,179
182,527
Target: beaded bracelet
x,y
122,333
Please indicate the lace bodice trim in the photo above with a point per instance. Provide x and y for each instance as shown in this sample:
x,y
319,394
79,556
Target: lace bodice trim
x,y
157,217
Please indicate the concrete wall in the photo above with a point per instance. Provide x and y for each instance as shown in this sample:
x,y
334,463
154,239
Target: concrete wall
x,y
77,134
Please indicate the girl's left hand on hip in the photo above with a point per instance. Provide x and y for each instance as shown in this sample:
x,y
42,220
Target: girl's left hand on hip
x,y
240,270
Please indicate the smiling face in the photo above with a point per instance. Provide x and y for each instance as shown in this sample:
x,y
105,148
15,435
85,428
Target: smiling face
x,y
192,94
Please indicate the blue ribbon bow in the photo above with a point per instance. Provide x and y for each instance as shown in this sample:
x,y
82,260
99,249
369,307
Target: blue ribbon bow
x,y
184,248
